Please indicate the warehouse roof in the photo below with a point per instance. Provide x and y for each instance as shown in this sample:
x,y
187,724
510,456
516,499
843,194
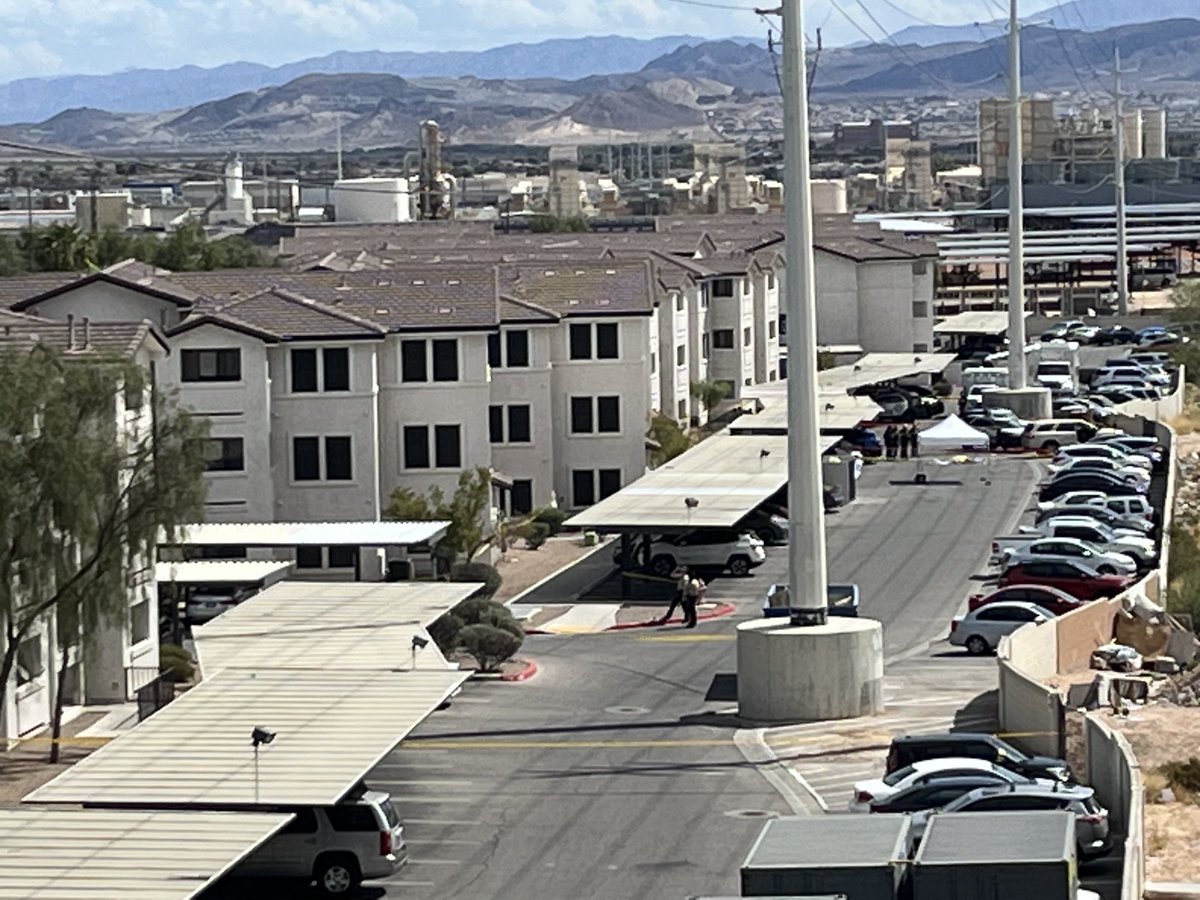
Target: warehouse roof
x,y
331,728
97,854
331,626
302,534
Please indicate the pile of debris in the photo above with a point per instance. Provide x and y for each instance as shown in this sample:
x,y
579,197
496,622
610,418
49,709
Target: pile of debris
x,y
1187,490
1179,690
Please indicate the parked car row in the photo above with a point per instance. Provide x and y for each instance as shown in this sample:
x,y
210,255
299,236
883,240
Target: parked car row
x,y
952,773
1082,333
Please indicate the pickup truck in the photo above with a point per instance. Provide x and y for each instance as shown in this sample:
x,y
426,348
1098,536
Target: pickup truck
x,y
1141,548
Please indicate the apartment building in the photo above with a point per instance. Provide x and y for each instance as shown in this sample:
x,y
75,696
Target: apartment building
x,y
105,664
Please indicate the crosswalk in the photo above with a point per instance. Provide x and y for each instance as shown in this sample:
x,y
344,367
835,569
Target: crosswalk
x,y
922,695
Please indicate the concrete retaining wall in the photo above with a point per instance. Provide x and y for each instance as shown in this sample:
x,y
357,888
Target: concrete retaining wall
x,y
1031,714
1114,773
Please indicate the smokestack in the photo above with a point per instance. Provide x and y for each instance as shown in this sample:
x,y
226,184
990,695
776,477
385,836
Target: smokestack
x,y
70,331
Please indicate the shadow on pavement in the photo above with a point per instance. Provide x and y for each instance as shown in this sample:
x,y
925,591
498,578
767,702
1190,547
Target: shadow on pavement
x,y
723,688
981,713
271,889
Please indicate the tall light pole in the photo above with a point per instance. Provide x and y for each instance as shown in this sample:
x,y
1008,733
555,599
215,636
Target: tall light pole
x,y
1119,191
1016,209
806,541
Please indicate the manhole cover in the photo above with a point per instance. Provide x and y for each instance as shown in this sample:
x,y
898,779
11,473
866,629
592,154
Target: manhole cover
x,y
752,814
626,710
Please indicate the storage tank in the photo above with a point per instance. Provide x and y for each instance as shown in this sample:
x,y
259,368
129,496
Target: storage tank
x,y
828,195
996,856
371,200
863,857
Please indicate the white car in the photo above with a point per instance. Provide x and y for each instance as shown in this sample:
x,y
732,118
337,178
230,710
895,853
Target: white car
x,y
980,630
1136,505
1098,535
1100,451
1131,373
923,772
1120,468
1054,549
707,548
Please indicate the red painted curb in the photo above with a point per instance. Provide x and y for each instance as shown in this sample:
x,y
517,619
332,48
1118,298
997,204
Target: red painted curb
x,y
531,669
722,609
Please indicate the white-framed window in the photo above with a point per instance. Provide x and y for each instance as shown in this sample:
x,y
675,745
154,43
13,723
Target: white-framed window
x,y
314,370
723,287
723,339
216,364
593,340
511,424
596,415
509,349
681,355
424,360
747,336
431,446
591,485
328,458
30,663
226,454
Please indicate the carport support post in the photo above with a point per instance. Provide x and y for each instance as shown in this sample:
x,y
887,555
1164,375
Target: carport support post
x,y
626,561
1016,209
806,524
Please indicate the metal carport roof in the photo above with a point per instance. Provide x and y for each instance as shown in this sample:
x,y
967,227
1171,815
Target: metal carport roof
x,y
221,571
302,534
837,411
328,625
331,729
98,854
975,322
876,367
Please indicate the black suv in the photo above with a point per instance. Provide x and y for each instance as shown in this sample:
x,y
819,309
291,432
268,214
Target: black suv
x,y
913,748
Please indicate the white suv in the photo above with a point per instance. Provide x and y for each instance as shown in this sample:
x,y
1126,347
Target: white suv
x,y
707,548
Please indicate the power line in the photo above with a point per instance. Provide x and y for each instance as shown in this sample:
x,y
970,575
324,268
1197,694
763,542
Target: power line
x,y
890,42
910,15
708,5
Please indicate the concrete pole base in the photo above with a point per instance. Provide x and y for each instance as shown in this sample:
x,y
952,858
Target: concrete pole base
x,y
830,671
1028,403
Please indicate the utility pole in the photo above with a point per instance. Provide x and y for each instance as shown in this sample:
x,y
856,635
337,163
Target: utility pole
x,y
339,146
1119,188
1016,209
29,225
807,577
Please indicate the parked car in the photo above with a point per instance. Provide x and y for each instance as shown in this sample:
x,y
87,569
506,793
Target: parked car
x,y
707,548
335,846
1116,334
1055,549
1146,373
930,771
1143,446
1073,577
1107,482
1135,525
1124,392
1099,464
980,630
1091,819
204,606
1050,434
1096,450
768,527
1098,536
1055,373
1060,330
934,794
1163,339
910,748
1152,357
865,441
999,436
1071,407
1052,599
1136,505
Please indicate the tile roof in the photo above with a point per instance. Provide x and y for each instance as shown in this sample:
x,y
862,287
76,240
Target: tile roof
x,y
16,288
98,338
520,310
580,289
279,315
138,277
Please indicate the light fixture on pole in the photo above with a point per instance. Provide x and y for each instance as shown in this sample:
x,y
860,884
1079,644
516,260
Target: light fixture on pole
x,y
418,643
691,503
258,737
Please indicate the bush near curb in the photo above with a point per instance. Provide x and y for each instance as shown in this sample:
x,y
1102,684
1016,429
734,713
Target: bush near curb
x,y
479,624
490,645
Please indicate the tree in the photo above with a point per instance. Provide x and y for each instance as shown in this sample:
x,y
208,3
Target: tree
x,y
709,393
465,511
671,440
490,645
87,487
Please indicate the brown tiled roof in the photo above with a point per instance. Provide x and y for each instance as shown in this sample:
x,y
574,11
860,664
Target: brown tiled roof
x,y
277,314
154,284
16,288
610,287
94,338
513,309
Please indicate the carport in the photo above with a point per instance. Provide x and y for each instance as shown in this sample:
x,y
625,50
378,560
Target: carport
x,y
877,368
330,626
972,328
99,854
331,728
244,537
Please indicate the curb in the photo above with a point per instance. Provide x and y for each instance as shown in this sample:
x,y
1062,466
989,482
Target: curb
x,y
531,669
722,609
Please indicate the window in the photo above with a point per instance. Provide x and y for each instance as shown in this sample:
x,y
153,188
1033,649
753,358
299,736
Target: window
x,y
139,621
770,279
447,442
682,413
445,360
581,341
211,365
745,287
343,557
336,363
521,497
772,375
705,345
308,557
306,459
727,384
722,287
412,361
680,355
226,455
304,821
337,459
723,339
783,325
610,482
653,362
29,659
607,341
519,426
416,446
747,337
304,371
351,817
516,349
920,348
608,414
772,329
583,487
581,415
679,303
494,359
496,424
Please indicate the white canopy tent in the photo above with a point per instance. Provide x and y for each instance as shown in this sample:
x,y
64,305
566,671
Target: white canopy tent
x,y
952,434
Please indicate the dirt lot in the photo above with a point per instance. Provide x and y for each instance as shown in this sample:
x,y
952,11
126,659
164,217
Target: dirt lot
x,y
521,569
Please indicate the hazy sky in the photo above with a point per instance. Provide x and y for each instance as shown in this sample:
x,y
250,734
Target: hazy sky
x,y
47,37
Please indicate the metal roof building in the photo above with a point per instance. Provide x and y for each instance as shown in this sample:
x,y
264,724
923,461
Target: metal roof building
x,y
331,729
94,854
328,625
301,534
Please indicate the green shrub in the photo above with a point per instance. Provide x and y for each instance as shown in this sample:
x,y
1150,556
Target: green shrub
x,y
1183,776
445,630
941,388
175,664
478,571
490,645
481,611
550,516
533,533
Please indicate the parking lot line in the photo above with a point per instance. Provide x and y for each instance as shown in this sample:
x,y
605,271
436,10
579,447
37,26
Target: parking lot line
x,y
684,638
487,744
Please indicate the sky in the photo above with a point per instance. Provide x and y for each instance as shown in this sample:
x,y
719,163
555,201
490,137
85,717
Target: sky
x,y
51,37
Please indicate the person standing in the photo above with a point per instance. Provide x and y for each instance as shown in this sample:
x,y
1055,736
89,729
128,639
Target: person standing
x,y
682,581
914,441
903,439
695,592
889,441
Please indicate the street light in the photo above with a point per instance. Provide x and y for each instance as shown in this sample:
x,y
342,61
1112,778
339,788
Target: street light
x,y
258,737
418,643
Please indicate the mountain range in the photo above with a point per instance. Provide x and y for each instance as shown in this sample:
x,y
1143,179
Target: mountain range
x,y
683,94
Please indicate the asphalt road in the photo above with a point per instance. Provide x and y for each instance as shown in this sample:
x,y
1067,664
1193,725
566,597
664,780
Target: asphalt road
x,y
613,773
